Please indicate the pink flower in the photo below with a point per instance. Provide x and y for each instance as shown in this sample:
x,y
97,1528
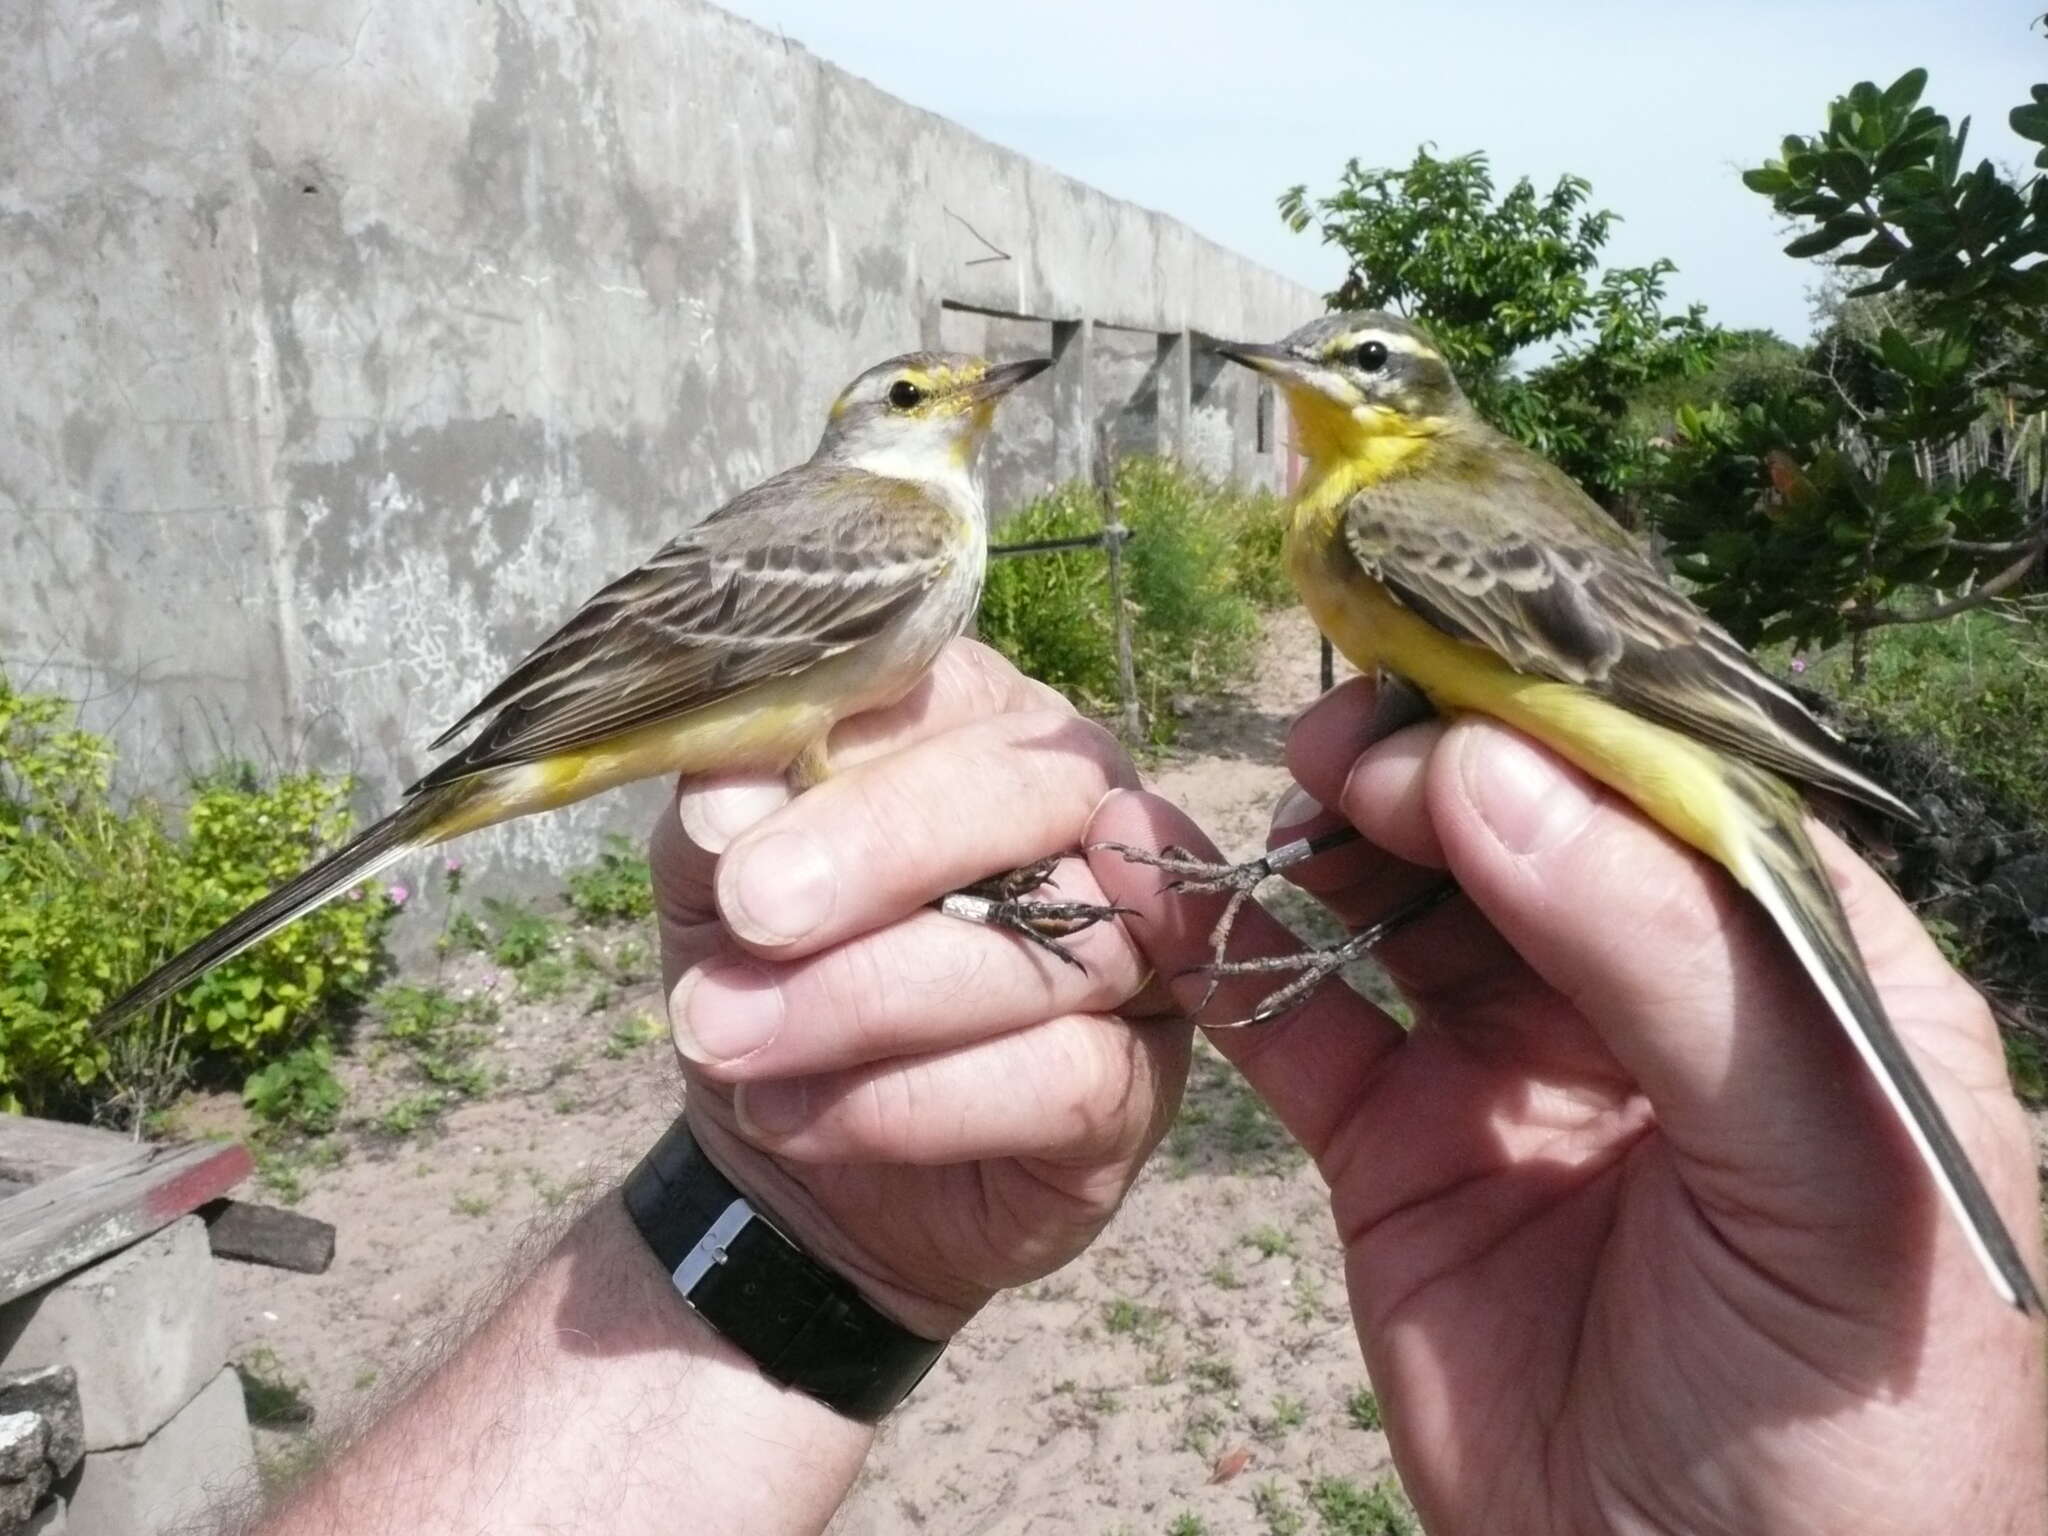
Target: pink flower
x,y
398,894
1798,663
356,894
454,866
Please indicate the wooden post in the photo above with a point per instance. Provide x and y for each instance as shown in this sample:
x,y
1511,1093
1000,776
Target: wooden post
x,y
1113,535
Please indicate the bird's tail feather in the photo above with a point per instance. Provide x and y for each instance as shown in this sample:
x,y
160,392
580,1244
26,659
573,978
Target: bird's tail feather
x,y
1781,868
398,834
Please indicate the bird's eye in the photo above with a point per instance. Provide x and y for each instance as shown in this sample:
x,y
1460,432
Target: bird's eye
x,y
1370,355
905,395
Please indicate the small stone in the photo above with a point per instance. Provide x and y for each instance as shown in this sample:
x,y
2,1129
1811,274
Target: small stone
x,y
51,1393
24,1437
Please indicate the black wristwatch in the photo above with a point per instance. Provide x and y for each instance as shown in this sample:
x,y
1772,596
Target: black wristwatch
x,y
805,1326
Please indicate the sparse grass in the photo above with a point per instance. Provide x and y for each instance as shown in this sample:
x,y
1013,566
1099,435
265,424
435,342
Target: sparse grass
x,y
1307,1304
1211,1373
472,1205
1187,1523
518,935
274,1399
1270,1504
1271,1242
1199,1432
1285,1416
411,1113
1121,1315
630,1035
1362,1407
282,1174
1224,1126
440,1033
282,1166
1345,1509
1223,1277
632,961
366,1378
553,1193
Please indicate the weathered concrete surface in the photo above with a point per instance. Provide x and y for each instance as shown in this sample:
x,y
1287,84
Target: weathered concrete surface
x,y
348,343
143,1331
201,1457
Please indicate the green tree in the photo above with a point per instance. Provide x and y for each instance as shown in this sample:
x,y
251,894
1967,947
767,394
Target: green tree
x,y
1898,480
1494,276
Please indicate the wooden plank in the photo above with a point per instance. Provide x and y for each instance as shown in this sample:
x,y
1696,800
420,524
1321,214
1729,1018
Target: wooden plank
x,y
67,1222
267,1234
34,1150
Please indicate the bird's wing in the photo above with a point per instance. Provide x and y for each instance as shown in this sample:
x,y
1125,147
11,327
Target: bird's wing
x,y
1503,550
802,567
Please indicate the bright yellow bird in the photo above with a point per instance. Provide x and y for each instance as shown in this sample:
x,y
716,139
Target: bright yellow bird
x,y
1431,546
824,591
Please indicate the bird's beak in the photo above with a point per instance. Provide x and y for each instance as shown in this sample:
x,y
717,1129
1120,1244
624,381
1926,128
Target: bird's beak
x,y
1262,357
1004,377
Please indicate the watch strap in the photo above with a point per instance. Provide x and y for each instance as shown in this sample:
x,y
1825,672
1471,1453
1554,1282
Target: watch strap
x,y
802,1324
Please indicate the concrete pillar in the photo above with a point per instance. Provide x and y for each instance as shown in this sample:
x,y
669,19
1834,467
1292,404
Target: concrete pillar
x,y
1174,382
1073,410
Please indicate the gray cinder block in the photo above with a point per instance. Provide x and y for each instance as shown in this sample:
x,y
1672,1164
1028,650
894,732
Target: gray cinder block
x,y
201,1455
142,1330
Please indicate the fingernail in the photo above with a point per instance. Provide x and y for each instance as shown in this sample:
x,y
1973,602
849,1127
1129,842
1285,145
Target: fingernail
x,y
778,890
772,1110
724,1010
1530,800
1297,808
714,815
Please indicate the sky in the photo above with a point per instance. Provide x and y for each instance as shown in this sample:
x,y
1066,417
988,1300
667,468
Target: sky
x,y
1207,111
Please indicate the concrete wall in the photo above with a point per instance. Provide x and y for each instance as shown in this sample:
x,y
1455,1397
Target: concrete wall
x,y
345,345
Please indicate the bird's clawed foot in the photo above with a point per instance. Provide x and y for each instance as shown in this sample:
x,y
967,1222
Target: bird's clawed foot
x,y
1006,901
1312,967
1203,877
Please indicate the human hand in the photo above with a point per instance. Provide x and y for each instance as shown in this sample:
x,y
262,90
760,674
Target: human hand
x,y
1633,1242
934,1109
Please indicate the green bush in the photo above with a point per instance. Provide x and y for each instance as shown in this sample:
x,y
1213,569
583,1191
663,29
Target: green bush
x,y
617,888
1201,559
94,892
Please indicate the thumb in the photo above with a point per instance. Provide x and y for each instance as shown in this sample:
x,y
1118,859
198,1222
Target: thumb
x,y
1686,982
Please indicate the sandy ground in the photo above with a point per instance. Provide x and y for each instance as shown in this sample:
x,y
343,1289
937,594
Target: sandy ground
x,y
1206,1330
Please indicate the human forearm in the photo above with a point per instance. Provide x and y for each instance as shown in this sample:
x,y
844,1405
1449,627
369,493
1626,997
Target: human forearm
x,y
591,1399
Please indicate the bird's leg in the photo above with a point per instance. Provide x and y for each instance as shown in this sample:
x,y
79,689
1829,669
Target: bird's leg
x,y
1006,901
1397,703
1205,877
1315,966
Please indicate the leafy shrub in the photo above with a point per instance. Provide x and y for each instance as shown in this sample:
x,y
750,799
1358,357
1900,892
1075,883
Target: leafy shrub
x,y
522,937
297,1092
94,892
618,888
1201,557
